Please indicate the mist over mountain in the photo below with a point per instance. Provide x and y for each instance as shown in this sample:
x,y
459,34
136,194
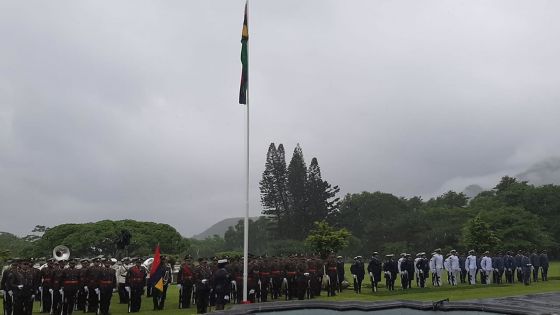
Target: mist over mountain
x,y
542,173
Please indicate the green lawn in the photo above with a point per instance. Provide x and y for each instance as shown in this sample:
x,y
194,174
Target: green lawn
x,y
462,292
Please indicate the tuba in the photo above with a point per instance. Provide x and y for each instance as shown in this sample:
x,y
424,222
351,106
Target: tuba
x,y
61,252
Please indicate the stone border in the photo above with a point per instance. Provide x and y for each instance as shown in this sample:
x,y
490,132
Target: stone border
x,y
376,306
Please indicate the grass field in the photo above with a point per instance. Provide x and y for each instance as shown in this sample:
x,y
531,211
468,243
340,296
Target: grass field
x,y
461,292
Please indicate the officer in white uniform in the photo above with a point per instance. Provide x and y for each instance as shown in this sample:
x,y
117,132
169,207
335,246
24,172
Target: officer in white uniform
x,y
487,270
470,265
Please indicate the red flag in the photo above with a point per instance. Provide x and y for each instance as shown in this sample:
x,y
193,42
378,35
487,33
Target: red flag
x,y
156,277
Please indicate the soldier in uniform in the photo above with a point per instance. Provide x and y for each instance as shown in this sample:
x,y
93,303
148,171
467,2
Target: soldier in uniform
x,y
339,272
90,284
358,272
158,297
185,281
391,269
134,285
470,265
121,270
498,266
332,274
202,278
543,259
454,266
47,275
486,269
519,266
463,273
535,261
7,292
107,282
275,274
526,269
410,270
423,267
374,270
83,293
70,282
403,267
56,289
21,283
220,282
509,267
438,267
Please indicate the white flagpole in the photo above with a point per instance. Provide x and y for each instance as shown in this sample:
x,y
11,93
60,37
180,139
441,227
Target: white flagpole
x,y
246,222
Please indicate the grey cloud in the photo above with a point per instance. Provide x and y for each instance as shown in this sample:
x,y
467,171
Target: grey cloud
x,y
129,110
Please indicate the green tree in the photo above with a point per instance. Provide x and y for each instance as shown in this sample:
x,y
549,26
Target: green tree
x,y
321,201
274,195
297,178
325,239
89,239
477,235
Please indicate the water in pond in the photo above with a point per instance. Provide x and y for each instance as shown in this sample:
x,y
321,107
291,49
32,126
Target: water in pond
x,y
394,311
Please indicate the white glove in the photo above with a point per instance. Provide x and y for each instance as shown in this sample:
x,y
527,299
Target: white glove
x,y
20,286
354,276
252,291
97,290
85,288
180,286
61,291
226,297
127,289
33,297
10,293
204,281
371,274
51,290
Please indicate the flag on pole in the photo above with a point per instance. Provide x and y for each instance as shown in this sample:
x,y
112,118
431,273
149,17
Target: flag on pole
x,y
156,276
244,61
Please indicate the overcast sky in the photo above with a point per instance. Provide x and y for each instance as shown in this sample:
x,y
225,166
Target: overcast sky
x,y
128,109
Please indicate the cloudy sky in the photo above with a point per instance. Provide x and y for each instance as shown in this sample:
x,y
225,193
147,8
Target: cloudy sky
x,y
128,109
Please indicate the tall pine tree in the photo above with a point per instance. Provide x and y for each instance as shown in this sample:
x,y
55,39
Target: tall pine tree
x,y
320,194
297,179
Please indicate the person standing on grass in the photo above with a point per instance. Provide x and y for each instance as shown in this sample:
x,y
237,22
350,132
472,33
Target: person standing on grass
x,y
455,268
374,270
438,264
543,259
526,269
519,266
535,261
486,268
498,266
134,285
423,269
509,267
470,265
358,271
391,270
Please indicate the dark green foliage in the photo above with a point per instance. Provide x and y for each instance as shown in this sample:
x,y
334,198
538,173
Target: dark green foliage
x,y
324,239
295,197
89,239
477,235
259,236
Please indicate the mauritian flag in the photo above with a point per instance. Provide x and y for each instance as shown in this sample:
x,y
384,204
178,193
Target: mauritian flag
x,y
244,61
156,276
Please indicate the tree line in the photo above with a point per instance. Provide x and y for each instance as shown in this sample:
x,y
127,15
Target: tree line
x,y
296,199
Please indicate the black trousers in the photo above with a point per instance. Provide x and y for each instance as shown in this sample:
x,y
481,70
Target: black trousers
x,y
136,298
123,295
202,296
105,296
186,294
69,300
23,304
158,297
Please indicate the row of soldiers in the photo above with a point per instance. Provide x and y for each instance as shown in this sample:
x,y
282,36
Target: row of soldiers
x,y
458,268
60,287
63,287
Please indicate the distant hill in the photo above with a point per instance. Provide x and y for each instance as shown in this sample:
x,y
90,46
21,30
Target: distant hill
x,y
219,228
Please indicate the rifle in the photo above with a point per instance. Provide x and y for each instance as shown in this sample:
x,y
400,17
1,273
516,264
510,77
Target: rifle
x,y
86,302
41,299
372,282
180,295
194,294
4,302
98,291
52,301
129,298
62,301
